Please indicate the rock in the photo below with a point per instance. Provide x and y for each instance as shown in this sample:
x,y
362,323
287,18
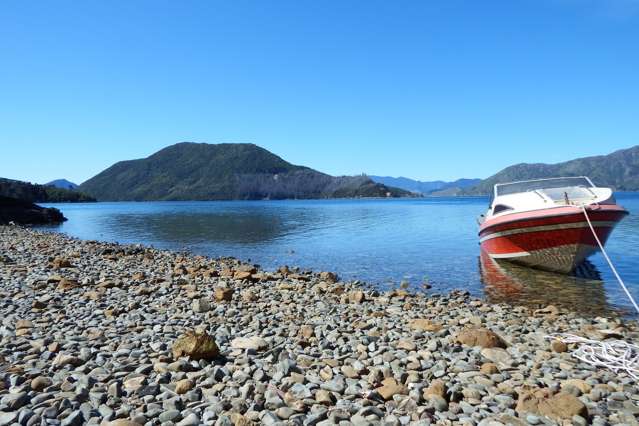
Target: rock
x,y
200,305
407,345
249,296
242,275
390,387
196,346
329,277
497,355
121,422
63,359
60,262
489,368
8,418
255,343
323,397
480,337
190,420
76,418
183,386
67,284
558,346
423,324
13,401
39,383
307,331
21,324
437,402
561,406
582,385
437,387
356,297
223,294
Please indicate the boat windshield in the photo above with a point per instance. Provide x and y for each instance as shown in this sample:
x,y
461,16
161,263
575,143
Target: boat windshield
x,y
541,184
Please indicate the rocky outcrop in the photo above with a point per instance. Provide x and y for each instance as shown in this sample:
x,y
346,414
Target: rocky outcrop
x,y
26,213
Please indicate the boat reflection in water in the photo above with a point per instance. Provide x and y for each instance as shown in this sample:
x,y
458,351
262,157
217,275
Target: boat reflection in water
x,y
581,292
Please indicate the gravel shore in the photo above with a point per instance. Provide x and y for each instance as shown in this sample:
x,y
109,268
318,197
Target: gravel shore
x,y
99,333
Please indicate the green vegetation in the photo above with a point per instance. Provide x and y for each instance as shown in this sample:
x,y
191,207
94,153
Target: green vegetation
x,y
619,170
39,193
198,171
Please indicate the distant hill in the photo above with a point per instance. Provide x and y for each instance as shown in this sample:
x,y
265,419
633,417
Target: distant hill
x,y
199,171
438,187
619,170
62,184
39,193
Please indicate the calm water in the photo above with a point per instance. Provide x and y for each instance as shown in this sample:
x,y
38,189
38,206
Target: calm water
x,y
382,242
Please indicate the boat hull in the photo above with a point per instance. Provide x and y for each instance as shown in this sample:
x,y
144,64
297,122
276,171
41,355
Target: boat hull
x,y
557,239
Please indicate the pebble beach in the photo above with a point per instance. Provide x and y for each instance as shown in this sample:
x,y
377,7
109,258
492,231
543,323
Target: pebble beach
x,y
101,333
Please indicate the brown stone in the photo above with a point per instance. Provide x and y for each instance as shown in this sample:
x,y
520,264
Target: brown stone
x,y
423,324
60,262
223,294
579,384
242,275
557,407
558,346
480,337
249,296
489,368
40,383
356,296
67,284
407,345
324,397
183,386
196,346
390,387
139,276
329,277
307,331
437,388
20,324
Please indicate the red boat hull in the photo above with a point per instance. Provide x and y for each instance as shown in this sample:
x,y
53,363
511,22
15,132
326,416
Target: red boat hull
x,y
556,239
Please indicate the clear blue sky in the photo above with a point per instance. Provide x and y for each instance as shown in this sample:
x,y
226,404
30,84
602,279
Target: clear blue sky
x,y
425,89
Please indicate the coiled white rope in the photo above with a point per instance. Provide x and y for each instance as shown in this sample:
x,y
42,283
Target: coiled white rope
x,y
616,355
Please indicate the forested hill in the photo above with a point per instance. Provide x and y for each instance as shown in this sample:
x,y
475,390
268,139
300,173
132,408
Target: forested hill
x,y
199,171
619,170
39,193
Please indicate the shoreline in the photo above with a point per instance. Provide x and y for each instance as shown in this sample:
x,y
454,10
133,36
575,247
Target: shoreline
x,y
90,329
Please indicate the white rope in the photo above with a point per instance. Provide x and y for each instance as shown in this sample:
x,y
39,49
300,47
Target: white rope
x,y
617,355
614,270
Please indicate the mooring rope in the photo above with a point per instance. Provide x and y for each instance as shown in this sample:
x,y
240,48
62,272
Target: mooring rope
x,y
614,270
616,355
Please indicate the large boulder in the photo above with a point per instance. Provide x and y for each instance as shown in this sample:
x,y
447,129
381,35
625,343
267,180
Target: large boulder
x,y
196,346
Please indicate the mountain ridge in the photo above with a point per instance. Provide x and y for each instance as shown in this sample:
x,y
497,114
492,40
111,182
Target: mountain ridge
x,y
62,184
226,171
425,187
619,170
35,193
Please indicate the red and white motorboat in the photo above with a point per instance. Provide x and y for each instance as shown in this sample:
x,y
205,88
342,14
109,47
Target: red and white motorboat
x,y
543,224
